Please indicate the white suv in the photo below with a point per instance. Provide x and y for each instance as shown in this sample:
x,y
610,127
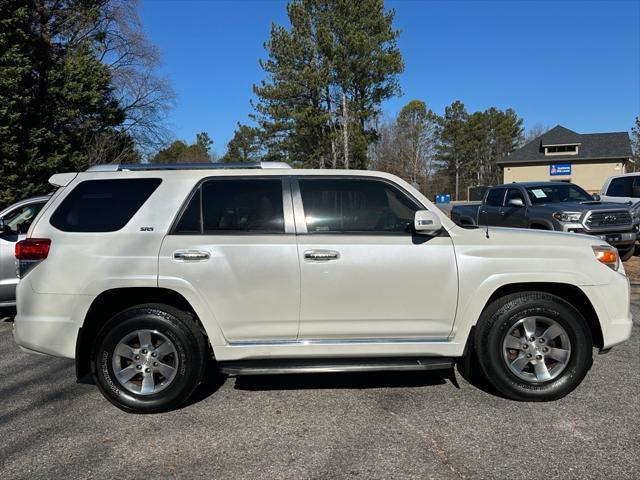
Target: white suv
x,y
144,274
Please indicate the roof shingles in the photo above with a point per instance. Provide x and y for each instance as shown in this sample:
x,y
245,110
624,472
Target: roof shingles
x,y
593,146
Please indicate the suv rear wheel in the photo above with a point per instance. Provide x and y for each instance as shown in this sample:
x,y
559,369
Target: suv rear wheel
x,y
149,358
533,346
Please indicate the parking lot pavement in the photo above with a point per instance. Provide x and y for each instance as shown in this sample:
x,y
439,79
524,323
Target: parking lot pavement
x,y
320,426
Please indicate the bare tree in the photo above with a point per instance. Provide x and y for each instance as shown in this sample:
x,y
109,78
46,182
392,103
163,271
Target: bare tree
x,y
534,132
119,42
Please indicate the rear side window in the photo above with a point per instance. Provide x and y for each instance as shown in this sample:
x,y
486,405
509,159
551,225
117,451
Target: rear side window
x,y
495,197
103,205
234,206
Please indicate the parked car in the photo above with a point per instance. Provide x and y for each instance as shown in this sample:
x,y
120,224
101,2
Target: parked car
x,y
622,189
15,220
144,274
559,206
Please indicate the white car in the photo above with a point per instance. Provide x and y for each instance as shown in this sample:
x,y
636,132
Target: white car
x,y
143,274
622,189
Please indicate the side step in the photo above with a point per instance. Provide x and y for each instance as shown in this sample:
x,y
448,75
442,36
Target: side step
x,y
326,365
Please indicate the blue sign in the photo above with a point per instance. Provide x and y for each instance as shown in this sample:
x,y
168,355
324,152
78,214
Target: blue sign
x,y
443,198
560,169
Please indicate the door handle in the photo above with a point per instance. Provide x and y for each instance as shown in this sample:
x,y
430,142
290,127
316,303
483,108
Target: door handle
x,y
321,255
191,255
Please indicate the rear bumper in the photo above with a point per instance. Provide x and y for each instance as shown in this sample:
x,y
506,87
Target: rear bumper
x,y
46,323
612,305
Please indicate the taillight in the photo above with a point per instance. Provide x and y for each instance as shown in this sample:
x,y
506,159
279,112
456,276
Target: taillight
x,y
29,253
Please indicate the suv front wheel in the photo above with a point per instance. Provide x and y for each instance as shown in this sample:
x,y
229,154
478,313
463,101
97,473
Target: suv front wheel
x,y
149,358
533,346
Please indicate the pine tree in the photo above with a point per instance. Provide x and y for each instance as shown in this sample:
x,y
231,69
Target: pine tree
x,y
635,145
54,100
326,78
244,146
454,142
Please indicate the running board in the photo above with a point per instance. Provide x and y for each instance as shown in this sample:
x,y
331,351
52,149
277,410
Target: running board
x,y
284,366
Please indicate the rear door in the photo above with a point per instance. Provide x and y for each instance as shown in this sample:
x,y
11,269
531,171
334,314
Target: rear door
x,y
364,275
489,212
510,216
235,244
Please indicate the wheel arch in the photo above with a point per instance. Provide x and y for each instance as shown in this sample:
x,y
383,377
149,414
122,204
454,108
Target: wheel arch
x,y
112,301
570,293
540,225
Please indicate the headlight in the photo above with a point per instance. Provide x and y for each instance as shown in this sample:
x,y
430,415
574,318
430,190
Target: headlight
x,y
567,216
608,255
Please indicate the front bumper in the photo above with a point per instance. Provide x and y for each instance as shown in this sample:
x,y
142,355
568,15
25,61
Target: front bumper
x,y
616,239
612,303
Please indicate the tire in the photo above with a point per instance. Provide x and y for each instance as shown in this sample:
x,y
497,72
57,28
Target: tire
x,y
568,345
627,254
160,346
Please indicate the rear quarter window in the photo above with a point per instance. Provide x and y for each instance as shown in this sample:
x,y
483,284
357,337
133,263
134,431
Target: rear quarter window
x,y
102,205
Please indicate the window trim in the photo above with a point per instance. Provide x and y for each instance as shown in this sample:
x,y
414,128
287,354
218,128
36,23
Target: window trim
x,y
301,224
287,208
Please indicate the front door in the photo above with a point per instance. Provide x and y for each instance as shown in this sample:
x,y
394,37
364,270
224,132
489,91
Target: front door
x,y
17,222
511,216
364,274
235,244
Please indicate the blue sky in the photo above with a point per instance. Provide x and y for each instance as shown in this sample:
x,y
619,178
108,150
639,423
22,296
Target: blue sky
x,y
576,63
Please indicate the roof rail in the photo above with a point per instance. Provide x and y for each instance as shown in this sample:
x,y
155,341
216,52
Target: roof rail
x,y
114,167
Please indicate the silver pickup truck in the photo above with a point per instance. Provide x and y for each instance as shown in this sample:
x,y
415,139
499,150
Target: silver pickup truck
x,y
557,206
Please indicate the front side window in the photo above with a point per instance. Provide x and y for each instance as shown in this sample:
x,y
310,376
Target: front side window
x,y
623,186
234,206
103,205
513,194
340,205
19,220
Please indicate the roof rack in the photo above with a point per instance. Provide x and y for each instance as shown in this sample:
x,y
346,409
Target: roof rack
x,y
115,167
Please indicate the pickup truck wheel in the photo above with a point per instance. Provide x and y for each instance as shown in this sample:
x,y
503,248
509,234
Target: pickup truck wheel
x,y
148,358
627,254
533,346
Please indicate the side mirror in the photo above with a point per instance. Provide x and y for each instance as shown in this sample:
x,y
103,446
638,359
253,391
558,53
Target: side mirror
x,y
515,202
427,222
596,197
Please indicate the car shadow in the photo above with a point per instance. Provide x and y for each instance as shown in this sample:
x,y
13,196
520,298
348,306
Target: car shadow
x,y
368,380
335,381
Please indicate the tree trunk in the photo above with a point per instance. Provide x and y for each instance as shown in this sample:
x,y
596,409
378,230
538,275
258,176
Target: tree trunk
x,y
345,129
334,153
457,177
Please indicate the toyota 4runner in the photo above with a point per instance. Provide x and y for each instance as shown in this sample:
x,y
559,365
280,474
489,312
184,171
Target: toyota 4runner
x,y
148,276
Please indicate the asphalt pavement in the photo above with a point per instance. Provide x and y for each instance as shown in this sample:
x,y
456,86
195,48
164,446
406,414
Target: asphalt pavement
x,y
323,426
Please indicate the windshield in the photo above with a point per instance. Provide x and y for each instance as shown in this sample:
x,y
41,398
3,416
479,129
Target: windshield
x,y
557,194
